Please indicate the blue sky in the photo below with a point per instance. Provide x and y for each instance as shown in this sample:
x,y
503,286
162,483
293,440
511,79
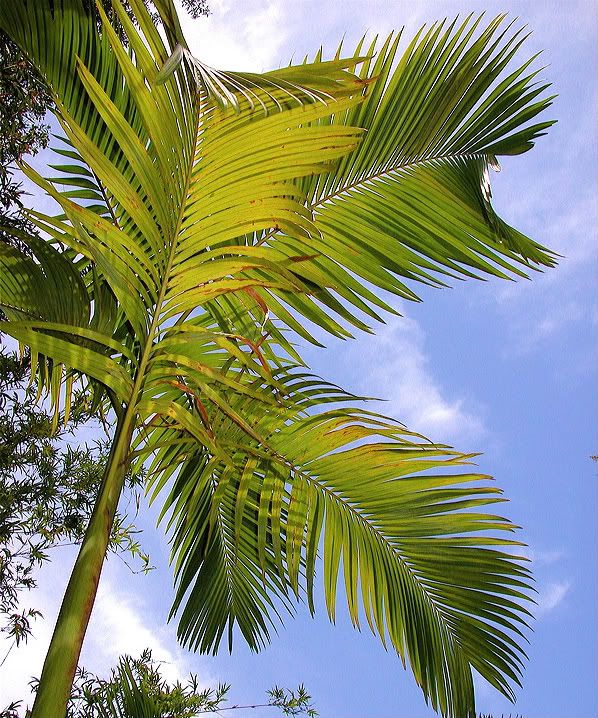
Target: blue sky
x,y
508,369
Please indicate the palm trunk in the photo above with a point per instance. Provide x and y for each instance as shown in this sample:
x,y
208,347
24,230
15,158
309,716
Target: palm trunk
x,y
65,647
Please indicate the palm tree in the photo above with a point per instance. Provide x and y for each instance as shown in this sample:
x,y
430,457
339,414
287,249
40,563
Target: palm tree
x,y
208,218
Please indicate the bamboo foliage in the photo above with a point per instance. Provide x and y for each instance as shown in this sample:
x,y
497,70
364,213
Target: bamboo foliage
x,y
206,218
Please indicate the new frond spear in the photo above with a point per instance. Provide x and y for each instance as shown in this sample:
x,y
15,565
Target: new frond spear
x,y
207,217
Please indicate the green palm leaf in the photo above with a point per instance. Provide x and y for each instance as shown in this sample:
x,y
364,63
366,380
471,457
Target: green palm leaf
x,y
40,283
147,251
421,559
412,202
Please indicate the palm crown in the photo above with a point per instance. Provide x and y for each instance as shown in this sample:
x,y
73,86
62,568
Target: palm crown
x,y
207,217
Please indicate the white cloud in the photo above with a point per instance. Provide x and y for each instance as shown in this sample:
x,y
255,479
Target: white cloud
x,y
231,39
545,558
551,596
543,320
122,622
569,232
560,298
399,370
125,617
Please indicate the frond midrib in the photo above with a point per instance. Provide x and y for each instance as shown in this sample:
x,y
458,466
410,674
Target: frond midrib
x,y
155,324
388,171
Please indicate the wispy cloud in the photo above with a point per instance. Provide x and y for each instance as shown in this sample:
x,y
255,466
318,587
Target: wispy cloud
x,y
551,596
540,323
551,593
557,300
545,558
399,369
122,623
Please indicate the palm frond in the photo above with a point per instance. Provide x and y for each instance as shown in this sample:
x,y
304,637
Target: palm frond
x,y
430,571
167,197
413,202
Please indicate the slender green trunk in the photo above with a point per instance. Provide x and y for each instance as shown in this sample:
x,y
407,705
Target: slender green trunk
x,y
65,647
